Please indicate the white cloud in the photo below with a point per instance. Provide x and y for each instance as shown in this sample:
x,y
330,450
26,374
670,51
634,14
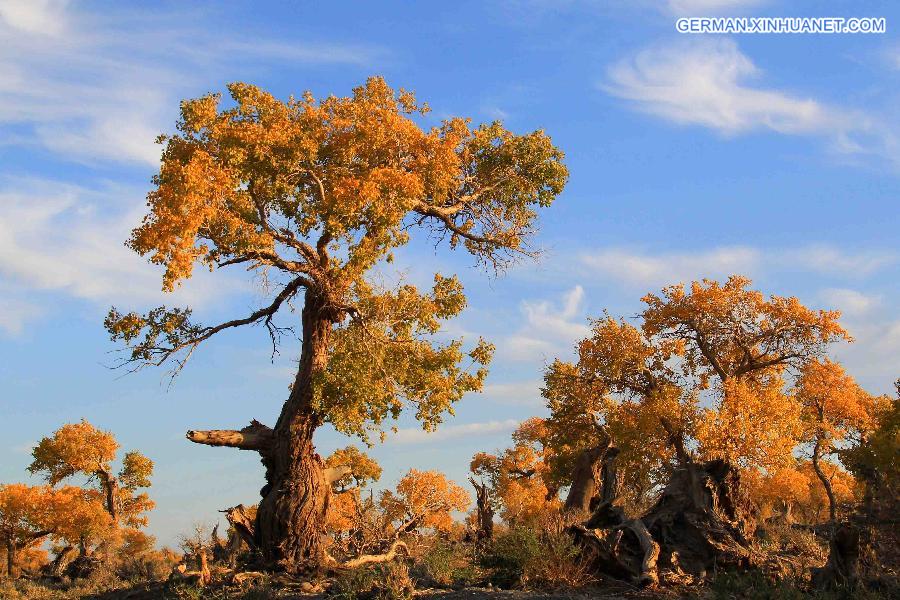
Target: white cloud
x,y
70,240
849,302
16,313
706,82
414,435
102,87
702,83
45,17
827,259
704,8
641,269
549,327
524,393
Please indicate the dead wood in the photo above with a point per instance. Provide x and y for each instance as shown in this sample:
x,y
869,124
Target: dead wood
x,y
367,559
842,567
242,524
703,520
484,510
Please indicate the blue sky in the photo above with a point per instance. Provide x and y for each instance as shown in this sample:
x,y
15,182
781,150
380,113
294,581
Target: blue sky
x,y
773,156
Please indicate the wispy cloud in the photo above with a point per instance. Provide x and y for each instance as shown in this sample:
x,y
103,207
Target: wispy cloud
x,y
707,82
641,268
548,327
414,435
850,302
520,393
56,237
90,89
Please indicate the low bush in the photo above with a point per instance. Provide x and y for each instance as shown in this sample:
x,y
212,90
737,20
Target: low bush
x,y
386,581
446,564
528,558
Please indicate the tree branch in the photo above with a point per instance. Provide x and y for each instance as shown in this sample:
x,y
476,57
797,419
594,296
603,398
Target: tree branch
x,y
255,436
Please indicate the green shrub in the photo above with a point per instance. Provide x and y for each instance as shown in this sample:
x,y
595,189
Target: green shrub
x,y
753,585
509,554
446,564
386,581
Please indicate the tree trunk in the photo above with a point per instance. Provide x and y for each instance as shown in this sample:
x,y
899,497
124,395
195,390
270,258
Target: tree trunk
x,y
587,477
485,511
10,558
111,490
832,501
703,520
290,522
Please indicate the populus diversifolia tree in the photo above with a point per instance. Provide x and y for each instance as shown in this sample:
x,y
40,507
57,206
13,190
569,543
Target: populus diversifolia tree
x,y
309,196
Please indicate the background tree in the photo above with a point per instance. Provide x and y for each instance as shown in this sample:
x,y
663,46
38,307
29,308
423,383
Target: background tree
x,y
32,514
517,477
423,499
311,195
720,345
835,410
875,459
82,449
345,507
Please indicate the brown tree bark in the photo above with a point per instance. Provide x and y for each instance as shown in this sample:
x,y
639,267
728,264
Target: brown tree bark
x,y
290,522
111,491
587,476
826,482
10,558
485,511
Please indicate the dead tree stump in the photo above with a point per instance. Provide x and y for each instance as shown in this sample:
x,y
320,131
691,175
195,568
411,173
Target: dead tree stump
x,y
702,521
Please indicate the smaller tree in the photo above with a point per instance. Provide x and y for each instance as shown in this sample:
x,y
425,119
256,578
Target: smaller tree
x,y
835,409
424,499
518,478
81,449
359,470
32,514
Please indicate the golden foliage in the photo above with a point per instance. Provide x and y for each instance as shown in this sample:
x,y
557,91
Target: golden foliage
x,y
705,367
31,514
423,499
82,449
519,478
310,195
344,508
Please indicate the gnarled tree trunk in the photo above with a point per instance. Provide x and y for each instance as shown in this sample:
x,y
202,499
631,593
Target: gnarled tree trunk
x,y
702,520
290,522
484,511
587,478
826,482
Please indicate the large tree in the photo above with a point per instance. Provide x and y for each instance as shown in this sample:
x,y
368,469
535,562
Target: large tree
x,y
310,196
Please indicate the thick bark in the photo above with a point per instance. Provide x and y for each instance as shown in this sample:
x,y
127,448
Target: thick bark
x,y
255,436
61,561
111,492
290,522
485,511
587,478
242,524
842,568
703,520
